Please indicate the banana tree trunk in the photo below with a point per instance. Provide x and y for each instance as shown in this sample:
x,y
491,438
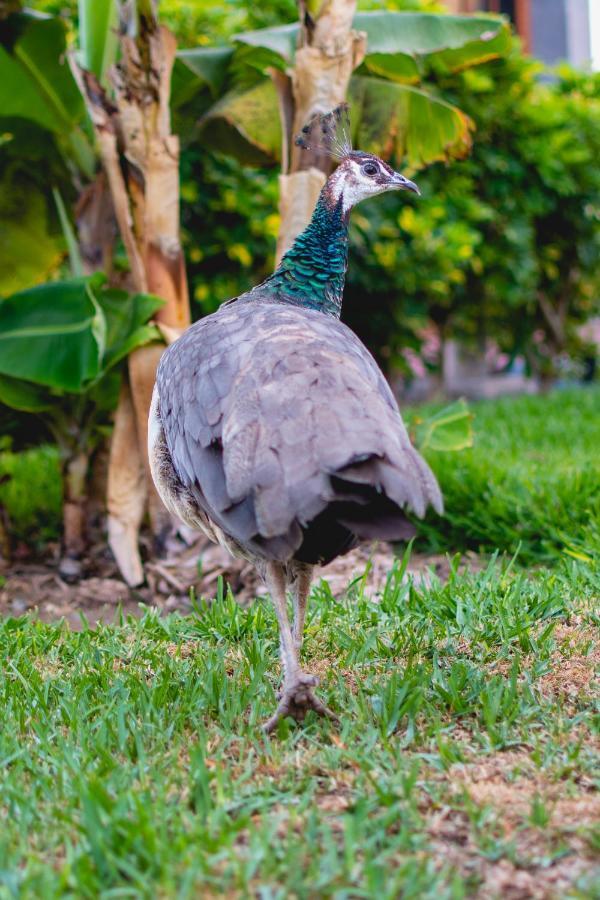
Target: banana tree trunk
x,y
141,161
328,52
74,476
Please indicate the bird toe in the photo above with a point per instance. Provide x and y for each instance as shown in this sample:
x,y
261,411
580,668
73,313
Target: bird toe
x,y
296,699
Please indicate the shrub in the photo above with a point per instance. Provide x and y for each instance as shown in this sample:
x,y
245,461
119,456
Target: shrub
x,y
503,244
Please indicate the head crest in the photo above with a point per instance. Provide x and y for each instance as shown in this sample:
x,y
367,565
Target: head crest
x,y
328,133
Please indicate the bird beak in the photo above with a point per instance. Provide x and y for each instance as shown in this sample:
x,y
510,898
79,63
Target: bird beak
x,y
403,184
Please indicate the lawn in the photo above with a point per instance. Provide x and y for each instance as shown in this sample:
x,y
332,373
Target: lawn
x,y
467,759
531,482
133,764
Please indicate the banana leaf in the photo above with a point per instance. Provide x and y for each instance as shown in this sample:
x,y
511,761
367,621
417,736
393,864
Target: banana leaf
x,y
448,431
400,44
36,82
98,36
127,325
52,335
29,251
201,66
401,122
245,124
65,336
393,120
23,396
399,47
245,121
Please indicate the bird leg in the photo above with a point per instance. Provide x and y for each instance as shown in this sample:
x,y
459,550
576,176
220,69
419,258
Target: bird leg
x,y
301,589
296,696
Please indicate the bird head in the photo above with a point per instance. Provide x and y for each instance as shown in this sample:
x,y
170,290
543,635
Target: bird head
x,y
359,174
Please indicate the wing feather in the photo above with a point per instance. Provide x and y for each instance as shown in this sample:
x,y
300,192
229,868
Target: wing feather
x,y
274,414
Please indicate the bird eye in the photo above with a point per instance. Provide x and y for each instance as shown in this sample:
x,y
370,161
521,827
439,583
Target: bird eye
x,y
370,168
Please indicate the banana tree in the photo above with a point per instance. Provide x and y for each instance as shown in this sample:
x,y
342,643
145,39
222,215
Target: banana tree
x,y
129,109
267,83
99,114
61,345
251,95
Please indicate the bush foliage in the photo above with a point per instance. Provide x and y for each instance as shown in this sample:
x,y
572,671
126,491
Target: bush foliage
x,y
506,242
501,245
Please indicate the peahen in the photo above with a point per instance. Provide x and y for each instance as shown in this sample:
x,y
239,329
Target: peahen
x,y
273,431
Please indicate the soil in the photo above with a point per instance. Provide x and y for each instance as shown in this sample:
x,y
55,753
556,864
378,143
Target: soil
x,y
35,585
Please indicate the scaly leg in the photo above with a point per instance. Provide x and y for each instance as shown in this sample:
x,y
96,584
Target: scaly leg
x,y
297,696
301,591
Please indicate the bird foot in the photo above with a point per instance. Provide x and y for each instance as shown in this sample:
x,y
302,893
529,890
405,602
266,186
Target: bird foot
x,y
296,699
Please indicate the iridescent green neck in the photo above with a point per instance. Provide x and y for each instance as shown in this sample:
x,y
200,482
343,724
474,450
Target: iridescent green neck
x,y
313,271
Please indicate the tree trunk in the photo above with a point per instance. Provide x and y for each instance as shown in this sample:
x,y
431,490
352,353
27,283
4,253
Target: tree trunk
x,y
141,161
74,477
126,490
96,226
328,52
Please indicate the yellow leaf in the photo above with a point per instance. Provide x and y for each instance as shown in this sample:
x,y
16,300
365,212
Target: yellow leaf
x,y
577,554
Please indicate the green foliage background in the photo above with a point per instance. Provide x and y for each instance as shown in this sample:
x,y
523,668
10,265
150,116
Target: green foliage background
x,y
518,218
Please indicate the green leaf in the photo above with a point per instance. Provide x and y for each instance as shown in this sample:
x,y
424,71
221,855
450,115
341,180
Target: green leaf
x,y
280,40
104,393
69,235
392,120
447,431
24,396
67,335
36,82
403,122
399,44
98,35
126,319
29,253
245,124
49,335
198,68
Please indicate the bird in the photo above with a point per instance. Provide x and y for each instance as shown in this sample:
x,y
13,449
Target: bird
x,y
272,429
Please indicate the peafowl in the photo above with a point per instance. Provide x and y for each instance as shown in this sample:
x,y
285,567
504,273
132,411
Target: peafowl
x,y
272,429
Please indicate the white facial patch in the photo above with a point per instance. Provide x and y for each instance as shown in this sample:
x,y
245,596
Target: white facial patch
x,y
351,184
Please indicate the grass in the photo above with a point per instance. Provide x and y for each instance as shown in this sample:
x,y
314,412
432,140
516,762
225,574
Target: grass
x,y
133,764
32,493
531,482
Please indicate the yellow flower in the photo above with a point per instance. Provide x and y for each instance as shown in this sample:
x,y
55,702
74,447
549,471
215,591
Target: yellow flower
x,y
201,292
229,199
189,191
406,219
196,255
271,224
240,253
385,253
